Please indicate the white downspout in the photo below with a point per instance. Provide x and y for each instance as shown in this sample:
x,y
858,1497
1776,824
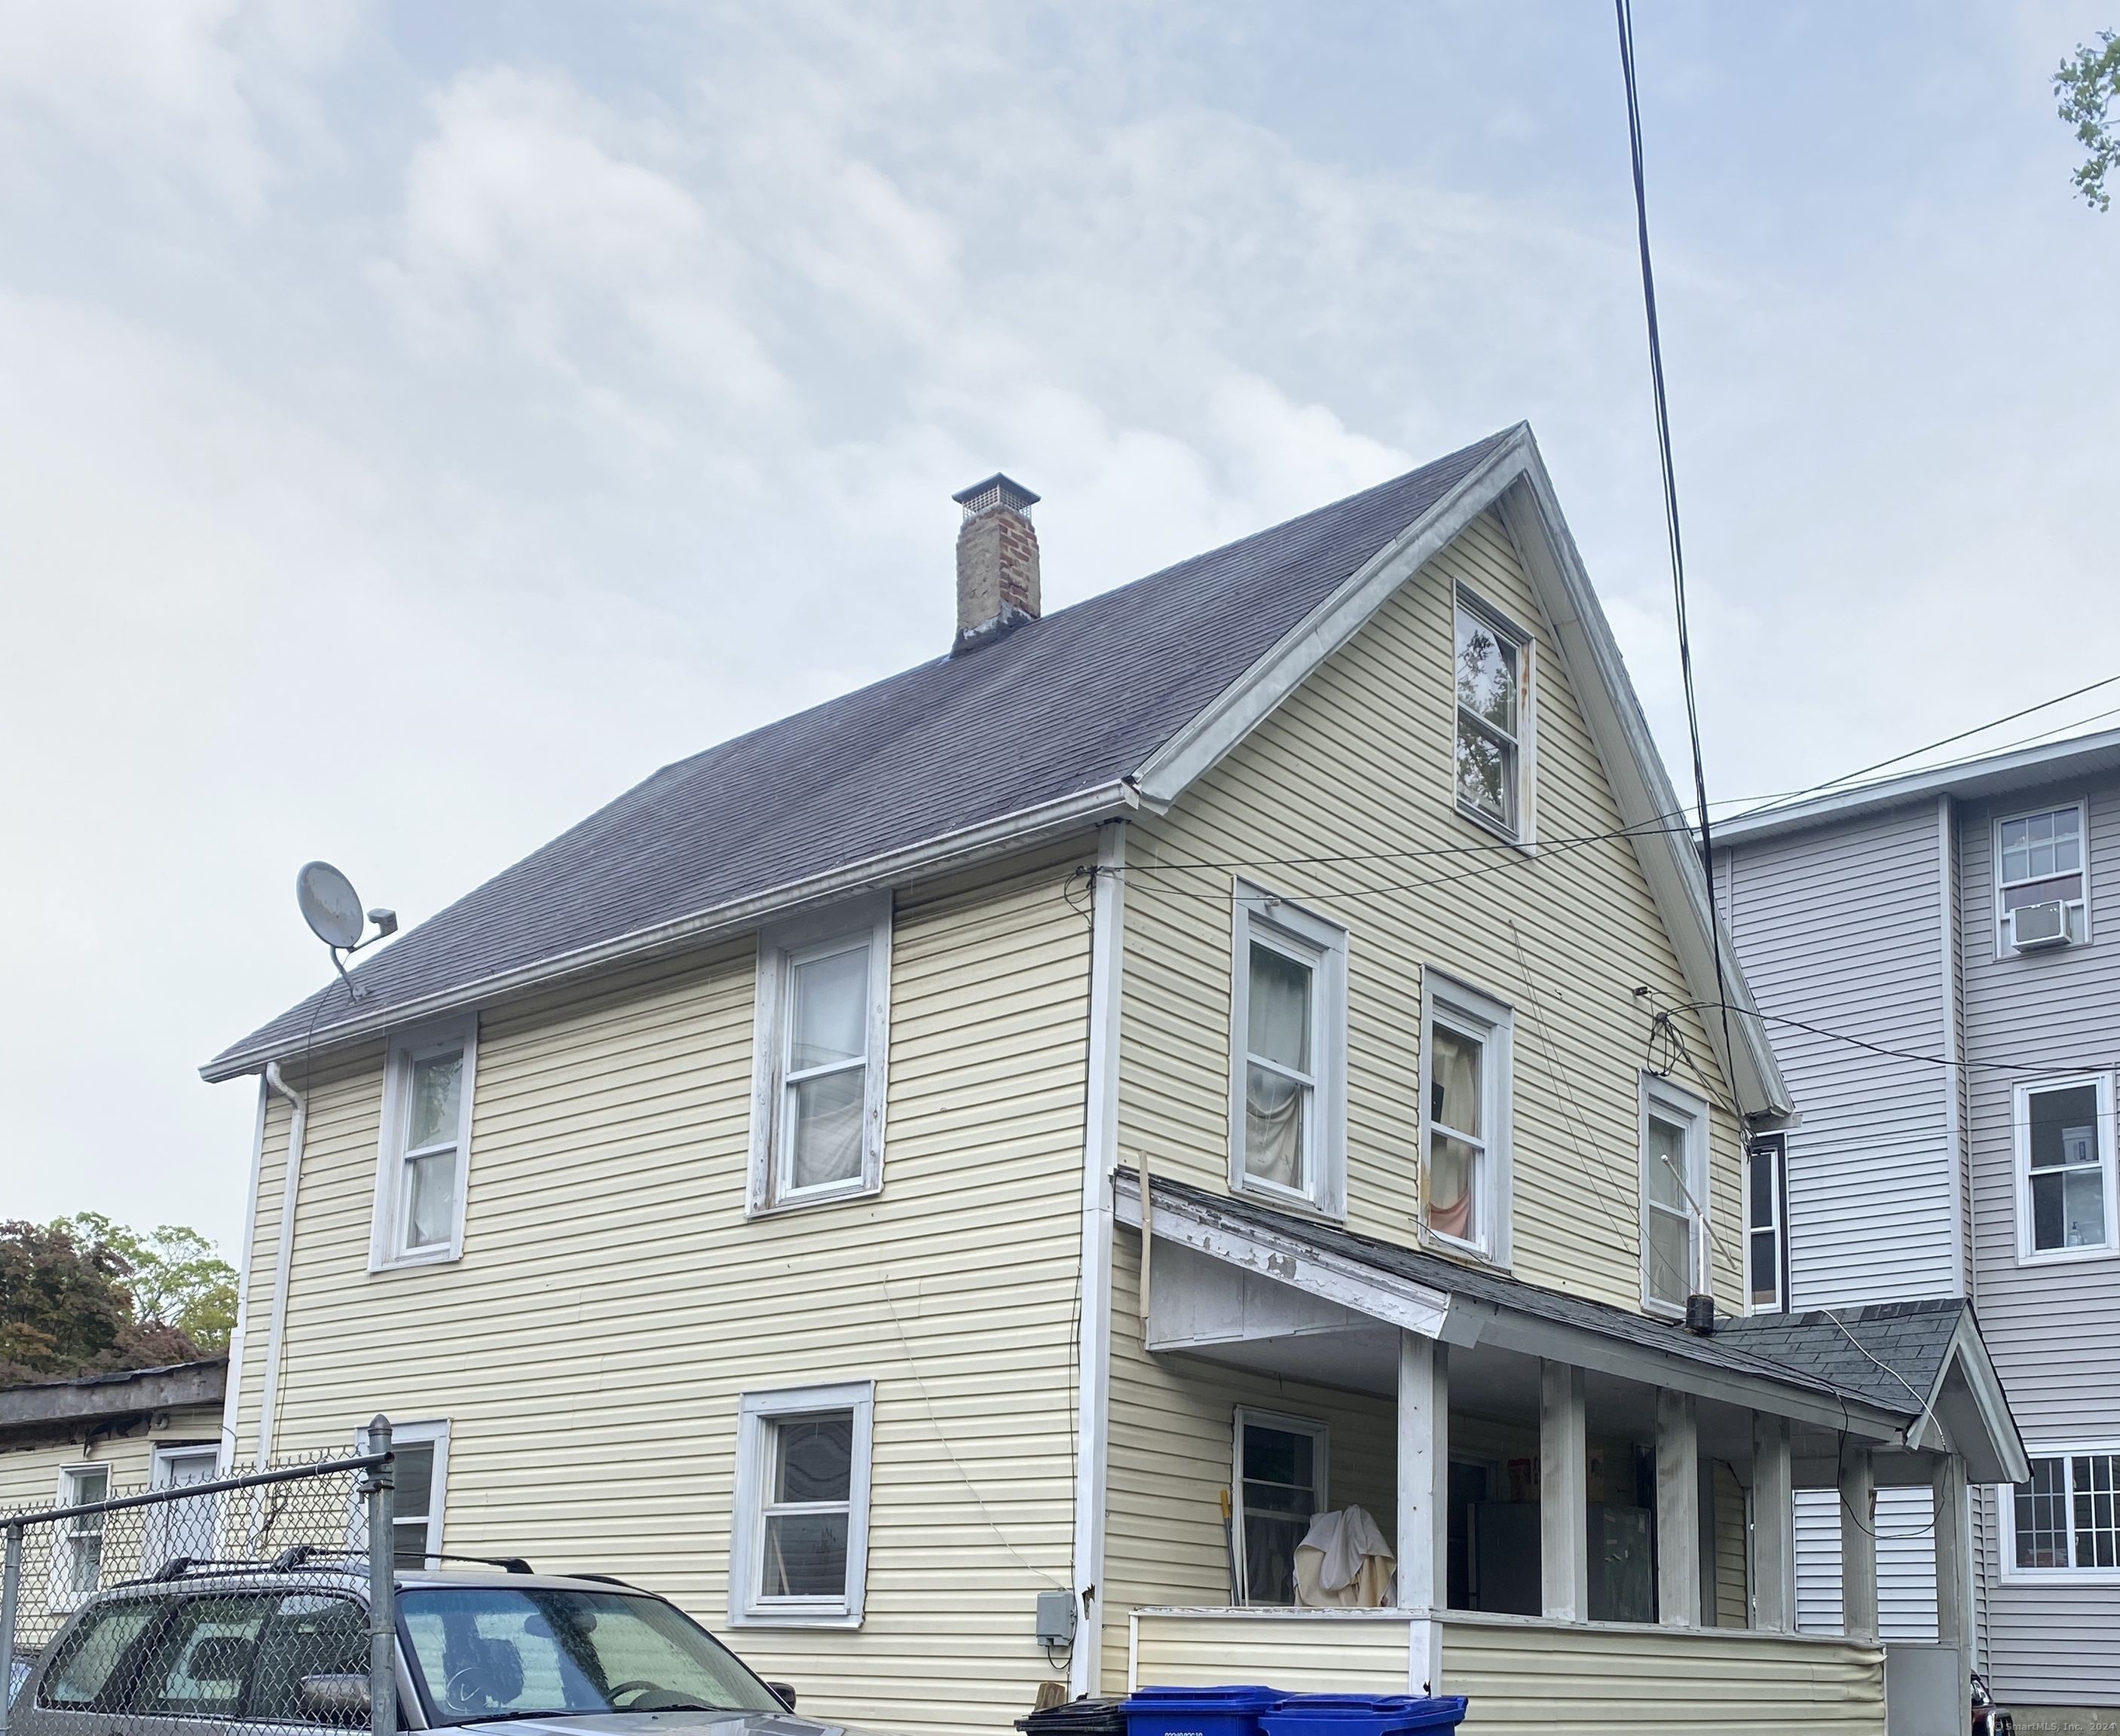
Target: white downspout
x,y
1100,1134
232,1393
283,1266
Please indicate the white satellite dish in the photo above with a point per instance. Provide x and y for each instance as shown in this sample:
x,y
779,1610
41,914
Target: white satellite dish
x,y
330,905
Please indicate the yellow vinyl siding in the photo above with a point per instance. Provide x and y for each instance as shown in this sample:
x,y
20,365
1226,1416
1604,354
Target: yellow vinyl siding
x,y
1355,767
1529,1676
30,1476
1319,1651
613,1303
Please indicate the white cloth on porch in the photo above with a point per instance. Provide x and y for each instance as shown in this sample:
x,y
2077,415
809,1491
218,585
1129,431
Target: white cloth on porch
x,y
1343,1562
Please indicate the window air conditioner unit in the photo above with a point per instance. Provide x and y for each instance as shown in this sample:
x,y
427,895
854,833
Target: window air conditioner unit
x,y
2035,927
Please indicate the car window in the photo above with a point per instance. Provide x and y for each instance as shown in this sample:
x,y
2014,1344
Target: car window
x,y
200,1661
310,1635
92,1652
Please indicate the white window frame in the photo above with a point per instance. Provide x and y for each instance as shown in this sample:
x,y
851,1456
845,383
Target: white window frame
x,y
2022,1157
1669,1102
756,1415
62,1594
1285,927
433,1432
386,1252
1525,833
780,948
1321,1436
2005,946
162,1459
1456,1005
2008,1501
1773,1149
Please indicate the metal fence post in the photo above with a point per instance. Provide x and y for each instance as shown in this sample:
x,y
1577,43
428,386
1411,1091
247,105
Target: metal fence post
x,y
11,1592
380,1488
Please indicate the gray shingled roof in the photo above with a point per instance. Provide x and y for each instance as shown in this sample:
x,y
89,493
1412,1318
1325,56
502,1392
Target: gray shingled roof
x,y
1061,706
1910,1338
1797,1356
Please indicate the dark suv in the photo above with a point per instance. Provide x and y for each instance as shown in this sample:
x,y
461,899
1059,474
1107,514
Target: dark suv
x,y
289,1649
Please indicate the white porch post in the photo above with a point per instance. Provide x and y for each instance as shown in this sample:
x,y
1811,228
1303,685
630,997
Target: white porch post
x,y
1773,1526
1858,1544
1424,1500
1678,1510
1564,1567
1954,1555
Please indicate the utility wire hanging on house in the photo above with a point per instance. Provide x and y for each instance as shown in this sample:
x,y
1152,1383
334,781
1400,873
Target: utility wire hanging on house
x,y
1623,12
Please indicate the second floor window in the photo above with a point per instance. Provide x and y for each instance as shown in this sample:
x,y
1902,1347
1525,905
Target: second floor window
x,y
2039,871
426,1136
2064,1142
1465,1117
1674,1196
1766,1221
1491,659
1288,1053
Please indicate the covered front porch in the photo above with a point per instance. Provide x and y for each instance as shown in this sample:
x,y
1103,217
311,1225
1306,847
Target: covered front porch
x,y
1591,1512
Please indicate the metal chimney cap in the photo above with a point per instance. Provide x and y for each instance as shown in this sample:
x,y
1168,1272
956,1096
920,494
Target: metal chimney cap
x,y
996,491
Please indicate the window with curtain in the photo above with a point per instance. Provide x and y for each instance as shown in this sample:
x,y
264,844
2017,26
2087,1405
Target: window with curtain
x,y
1288,1045
1281,1474
1465,1062
426,1137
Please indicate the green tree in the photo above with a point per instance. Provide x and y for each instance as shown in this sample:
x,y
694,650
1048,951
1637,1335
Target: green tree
x,y
175,1277
2087,86
65,1309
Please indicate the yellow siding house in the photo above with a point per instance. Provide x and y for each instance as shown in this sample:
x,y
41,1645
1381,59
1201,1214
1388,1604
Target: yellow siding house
x,y
743,1195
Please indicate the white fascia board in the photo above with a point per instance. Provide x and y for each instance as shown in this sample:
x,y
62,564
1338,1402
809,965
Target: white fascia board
x,y
1998,1447
1381,1296
952,851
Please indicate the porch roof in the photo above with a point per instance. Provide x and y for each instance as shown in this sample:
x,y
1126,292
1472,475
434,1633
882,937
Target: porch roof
x,y
1791,1372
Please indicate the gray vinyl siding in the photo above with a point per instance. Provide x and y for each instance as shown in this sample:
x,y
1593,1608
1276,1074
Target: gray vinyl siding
x,y
2054,1330
1842,929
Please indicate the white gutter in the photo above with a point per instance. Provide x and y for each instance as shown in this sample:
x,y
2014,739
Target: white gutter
x,y
231,1400
934,856
283,1267
1093,1375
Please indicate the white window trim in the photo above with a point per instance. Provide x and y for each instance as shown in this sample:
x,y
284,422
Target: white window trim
x,y
161,1462
2008,949
1321,1434
869,916
2006,1500
1322,943
383,1252
59,1594
1457,1003
1525,835
2020,1155
1678,1105
754,1477
1773,1148
433,1432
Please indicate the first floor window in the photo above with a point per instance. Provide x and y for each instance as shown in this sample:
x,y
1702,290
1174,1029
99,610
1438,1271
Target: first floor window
x,y
1288,1043
1766,1183
2064,1139
1280,1470
823,1029
1464,1112
1674,1194
2068,1515
79,1564
184,1529
426,1134
421,1452
800,1543
2038,861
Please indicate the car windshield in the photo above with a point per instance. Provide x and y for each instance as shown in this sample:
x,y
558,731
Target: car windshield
x,y
488,1652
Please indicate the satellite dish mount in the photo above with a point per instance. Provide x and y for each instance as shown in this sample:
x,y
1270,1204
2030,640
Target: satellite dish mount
x,y
332,908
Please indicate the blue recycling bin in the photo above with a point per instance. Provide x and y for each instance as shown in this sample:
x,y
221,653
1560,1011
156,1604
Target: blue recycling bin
x,y
1362,1715
1200,1711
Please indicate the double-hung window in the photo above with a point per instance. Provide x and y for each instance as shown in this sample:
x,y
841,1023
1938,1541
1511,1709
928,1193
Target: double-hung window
x,y
1288,1042
1674,1195
2066,1197
1766,1225
2039,871
799,1547
822,1033
1280,1471
78,1560
2065,1522
1464,1057
426,1142
1492,662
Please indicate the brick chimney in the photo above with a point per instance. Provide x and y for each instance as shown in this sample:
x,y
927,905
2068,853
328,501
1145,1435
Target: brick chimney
x,y
997,562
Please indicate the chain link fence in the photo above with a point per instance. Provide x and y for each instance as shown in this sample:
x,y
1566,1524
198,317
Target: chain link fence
x,y
264,1600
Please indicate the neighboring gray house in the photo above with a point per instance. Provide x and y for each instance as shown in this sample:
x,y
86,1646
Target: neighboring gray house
x,y
1950,920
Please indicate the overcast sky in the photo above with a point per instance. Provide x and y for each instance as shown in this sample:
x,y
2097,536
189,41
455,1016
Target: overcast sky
x,y
418,422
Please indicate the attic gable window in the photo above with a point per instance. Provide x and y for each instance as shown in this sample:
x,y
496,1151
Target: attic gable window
x,y
1491,667
821,1039
1288,1043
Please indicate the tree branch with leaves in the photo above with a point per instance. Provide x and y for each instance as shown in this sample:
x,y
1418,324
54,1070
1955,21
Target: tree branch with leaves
x,y
2087,86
